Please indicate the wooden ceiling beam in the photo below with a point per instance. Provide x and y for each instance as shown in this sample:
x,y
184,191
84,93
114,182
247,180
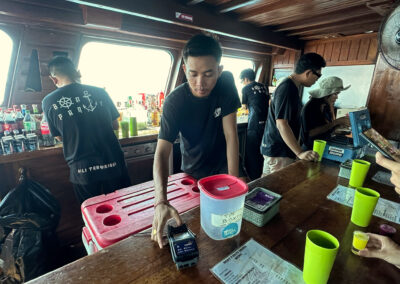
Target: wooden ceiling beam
x,y
267,8
368,25
235,4
339,25
338,16
203,18
286,11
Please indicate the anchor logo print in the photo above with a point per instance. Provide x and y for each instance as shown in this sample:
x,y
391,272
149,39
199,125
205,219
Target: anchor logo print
x,y
90,107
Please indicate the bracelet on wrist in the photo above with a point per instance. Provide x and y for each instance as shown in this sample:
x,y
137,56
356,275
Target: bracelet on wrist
x,y
165,202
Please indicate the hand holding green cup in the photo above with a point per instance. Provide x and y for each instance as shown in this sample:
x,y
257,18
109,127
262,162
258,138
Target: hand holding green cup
x,y
365,200
359,170
319,147
319,256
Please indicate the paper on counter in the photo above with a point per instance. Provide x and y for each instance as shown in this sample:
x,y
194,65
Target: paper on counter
x,y
384,209
252,263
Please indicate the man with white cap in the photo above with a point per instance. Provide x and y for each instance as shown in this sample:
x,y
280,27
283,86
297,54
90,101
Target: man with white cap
x,y
318,116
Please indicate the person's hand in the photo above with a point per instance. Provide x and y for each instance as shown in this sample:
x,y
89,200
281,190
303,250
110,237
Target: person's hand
x,y
308,156
382,247
393,166
162,214
343,121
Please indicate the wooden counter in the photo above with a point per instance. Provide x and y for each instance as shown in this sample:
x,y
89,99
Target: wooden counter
x,y
304,186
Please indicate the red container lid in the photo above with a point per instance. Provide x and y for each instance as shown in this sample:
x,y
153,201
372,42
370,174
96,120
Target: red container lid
x,y
222,186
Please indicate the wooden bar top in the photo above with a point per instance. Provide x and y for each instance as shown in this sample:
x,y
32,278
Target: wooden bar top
x,y
58,149
304,186
144,136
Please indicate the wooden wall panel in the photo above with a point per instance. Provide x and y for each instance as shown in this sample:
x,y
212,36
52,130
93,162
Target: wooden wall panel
x,y
328,51
285,60
344,51
354,47
384,100
350,50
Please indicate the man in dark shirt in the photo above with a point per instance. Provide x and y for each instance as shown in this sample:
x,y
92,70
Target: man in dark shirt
x,y
83,117
203,112
280,144
255,98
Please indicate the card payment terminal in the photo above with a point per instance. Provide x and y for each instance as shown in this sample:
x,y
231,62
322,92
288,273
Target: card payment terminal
x,y
341,148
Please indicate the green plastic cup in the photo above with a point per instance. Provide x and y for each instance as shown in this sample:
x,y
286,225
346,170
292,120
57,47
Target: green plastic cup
x,y
133,126
319,256
319,147
359,170
124,128
365,200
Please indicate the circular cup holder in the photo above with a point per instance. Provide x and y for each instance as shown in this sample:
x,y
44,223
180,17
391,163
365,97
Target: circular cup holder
x,y
187,182
195,189
105,208
112,220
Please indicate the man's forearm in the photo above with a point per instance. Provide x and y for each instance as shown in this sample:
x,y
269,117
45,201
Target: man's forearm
x,y
289,138
232,150
160,176
232,143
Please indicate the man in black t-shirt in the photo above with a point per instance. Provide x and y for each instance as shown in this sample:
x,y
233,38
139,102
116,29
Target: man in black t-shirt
x,y
255,98
280,145
84,117
203,113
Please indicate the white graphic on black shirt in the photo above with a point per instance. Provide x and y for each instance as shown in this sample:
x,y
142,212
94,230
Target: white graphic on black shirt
x,y
65,102
90,107
217,112
97,167
258,89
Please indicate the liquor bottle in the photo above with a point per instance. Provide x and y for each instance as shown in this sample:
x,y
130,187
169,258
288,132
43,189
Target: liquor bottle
x,y
161,98
274,81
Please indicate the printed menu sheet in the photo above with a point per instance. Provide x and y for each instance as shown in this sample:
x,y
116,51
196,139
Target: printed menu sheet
x,y
385,209
253,263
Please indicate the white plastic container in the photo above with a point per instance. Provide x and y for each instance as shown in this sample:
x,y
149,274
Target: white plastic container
x,y
221,205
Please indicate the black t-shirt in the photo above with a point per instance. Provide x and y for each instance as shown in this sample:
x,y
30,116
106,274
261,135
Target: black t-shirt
x,y
82,115
256,97
199,123
314,114
286,104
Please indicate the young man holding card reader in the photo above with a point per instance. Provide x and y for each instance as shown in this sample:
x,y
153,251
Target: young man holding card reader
x,y
203,113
